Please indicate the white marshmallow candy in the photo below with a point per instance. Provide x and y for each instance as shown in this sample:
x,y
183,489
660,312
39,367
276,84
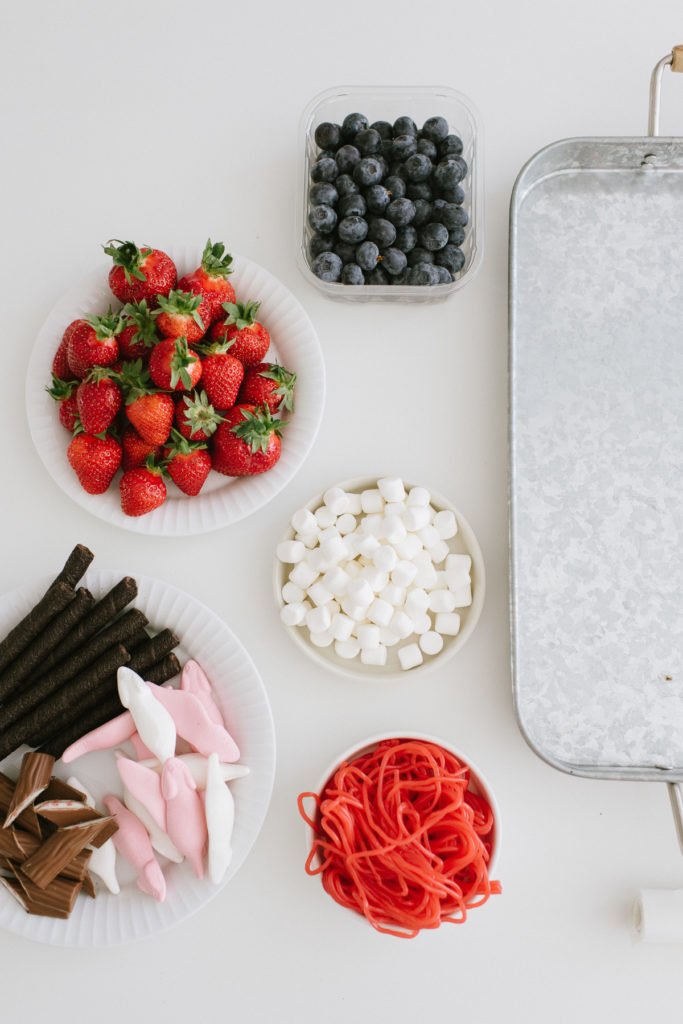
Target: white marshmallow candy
x,y
416,517
422,559
368,635
401,624
441,579
317,561
446,523
441,601
404,573
418,496
346,523
303,575
357,612
319,620
409,546
394,508
331,533
393,594
303,521
336,580
374,655
336,500
417,601
431,642
325,517
309,540
393,529
360,592
385,558
319,594
352,569
421,623
291,594
426,577
342,626
459,563
347,648
294,614
391,488
380,612
371,501
333,607
447,623
410,656
375,577
368,546
291,551
322,639
355,506
438,552
429,536
463,596
334,549
387,637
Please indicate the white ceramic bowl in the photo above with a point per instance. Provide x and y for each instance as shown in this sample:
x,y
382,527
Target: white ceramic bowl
x,y
464,542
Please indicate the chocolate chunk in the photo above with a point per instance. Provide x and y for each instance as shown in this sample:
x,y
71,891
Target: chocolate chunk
x,y
34,777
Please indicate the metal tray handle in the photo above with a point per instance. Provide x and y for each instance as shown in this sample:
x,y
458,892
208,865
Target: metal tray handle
x,y
673,60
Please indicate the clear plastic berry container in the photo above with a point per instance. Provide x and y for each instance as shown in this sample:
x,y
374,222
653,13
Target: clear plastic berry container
x,y
388,103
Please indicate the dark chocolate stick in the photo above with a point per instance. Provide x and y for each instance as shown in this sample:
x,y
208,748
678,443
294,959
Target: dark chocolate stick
x,y
55,631
153,650
39,705
53,601
75,566
100,616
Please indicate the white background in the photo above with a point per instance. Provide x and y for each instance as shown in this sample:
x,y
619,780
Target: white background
x,y
167,122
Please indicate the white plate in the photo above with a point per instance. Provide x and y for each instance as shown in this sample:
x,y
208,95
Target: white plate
x,y
464,542
223,500
241,696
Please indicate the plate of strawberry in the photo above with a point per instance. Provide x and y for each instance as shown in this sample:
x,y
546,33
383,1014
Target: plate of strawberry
x,y
177,391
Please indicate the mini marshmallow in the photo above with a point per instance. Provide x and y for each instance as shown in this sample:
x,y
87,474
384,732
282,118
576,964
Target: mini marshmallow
x,y
421,623
410,656
303,575
309,540
380,612
319,594
318,620
441,579
393,529
352,569
394,594
337,580
355,611
459,563
401,624
438,552
332,607
291,551
368,546
394,508
291,594
387,637
426,577
355,506
334,549
331,533
336,500
372,524
347,648
385,558
418,496
441,601
374,655
360,592
293,614
416,517
429,536
391,488
375,577
463,596
404,573
303,521
317,561
325,517
371,501
342,626
431,642
368,635
409,546
448,623
346,523
321,639
417,600
422,559
446,523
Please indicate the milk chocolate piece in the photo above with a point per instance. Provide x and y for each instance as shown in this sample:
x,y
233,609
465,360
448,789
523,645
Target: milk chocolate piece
x,y
53,900
17,892
77,868
65,812
60,790
34,776
58,850
27,819
89,886
10,847
55,599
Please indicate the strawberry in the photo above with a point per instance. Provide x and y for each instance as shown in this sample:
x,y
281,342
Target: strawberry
x,y
187,463
99,400
222,374
194,418
139,273
183,315
92,342
173,366
150,412
210,279
139,331
248,442
63,391
95,461
136,451
60,363
250,340
142,490
269,384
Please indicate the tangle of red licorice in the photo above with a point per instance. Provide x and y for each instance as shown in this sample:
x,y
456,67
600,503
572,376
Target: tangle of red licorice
x,y
401,839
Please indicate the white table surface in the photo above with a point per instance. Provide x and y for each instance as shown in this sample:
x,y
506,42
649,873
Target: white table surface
x,y
172,121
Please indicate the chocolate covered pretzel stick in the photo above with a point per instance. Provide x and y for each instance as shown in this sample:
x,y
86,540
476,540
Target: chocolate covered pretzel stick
x,y
53,601
75,566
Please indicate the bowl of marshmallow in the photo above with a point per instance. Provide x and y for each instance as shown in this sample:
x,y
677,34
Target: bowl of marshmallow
x,y
379,577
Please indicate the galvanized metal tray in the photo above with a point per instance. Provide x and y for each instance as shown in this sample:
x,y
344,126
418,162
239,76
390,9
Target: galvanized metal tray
x,y
596,443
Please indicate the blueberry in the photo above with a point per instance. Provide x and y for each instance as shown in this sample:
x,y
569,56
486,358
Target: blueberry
x,y
323,194
401,278
352,274
450,146
354,229
445,276
318,244
435,129
403,146
417,167
347,157
385,148
352,206
423,212
404,126
394,261
433,236
368,171
367,142
456,235
345,251
419,255
322,219
383,163
423,274
327,135
406,238
419,190
325,169
352,124
452,258
381,231
327,266
377,198
428,149
377,276
383,129
450,172
396,186
449,214
345,185
400,212
367,255
453,195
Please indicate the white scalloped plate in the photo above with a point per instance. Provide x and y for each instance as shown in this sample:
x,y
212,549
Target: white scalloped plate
x,y
110,920
223,500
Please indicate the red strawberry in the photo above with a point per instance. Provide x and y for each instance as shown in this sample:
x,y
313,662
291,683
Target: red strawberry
x,y
188,464
173,366
195,419
247,443
142,490
99,400
60,363
139,330
210,279
150,412
95,461
92,342
183,315
222,375
269,384
250,340
139,273
63,391
136,451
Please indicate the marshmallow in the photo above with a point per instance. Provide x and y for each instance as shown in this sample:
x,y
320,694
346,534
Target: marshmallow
x,y
355,506
463,596
334,549
441,601
375,577
438,551
429,536
355,611
431,642
422,559
385,558
347,648
372,524
401,624
331,533
380,612
446,523
368,635
346,523
394,508
319,594
394,594
303,575
371,501
426,577
325,517
303,521
336,581
336,500
410,656
418,496
441,580
391,488
408,546
291,594
404,573
459,563
333,607
393,529
291,551
322,639
352,569
341,626
309,540
387,637
374,655
421,623
416,517
293,614
318,619
359,591
368,546
317,561
417,601
448,623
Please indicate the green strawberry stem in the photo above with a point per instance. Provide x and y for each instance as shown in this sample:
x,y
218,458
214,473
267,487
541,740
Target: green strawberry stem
x,y
143,317
242,314
107,326
285,380
128,256
61,389
181,359
216,262
200,414
257,428
180,303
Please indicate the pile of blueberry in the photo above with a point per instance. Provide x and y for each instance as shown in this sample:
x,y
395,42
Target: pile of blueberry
x,y
386,202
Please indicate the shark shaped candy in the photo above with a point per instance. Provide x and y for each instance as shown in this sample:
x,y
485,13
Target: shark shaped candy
x,y
194,680
152,721
158,838
219,807
185,819
145,785
197,765
141,751
102,859
193,723
133,843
